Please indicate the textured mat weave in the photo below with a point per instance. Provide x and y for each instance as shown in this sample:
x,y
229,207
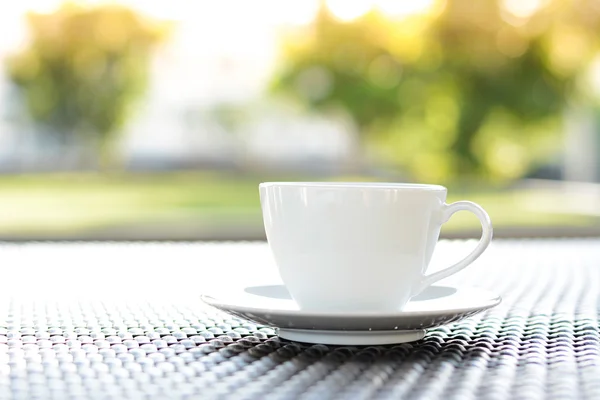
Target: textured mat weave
x,y
542,342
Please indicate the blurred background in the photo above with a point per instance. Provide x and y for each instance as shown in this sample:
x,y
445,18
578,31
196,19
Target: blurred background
x,y
139,120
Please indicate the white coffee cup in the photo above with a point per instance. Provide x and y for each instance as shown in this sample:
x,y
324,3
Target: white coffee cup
x,y
359,247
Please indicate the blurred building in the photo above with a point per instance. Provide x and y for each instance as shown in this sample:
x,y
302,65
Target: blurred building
x,y
582,146
174,127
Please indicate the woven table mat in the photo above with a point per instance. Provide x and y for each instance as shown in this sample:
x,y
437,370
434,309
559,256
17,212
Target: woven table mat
x,y
79,330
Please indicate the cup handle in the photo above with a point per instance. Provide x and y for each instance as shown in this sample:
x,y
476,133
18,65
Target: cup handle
x,y
486,237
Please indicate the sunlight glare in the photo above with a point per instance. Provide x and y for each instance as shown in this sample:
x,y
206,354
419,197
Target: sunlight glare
x,y
522,8
348,10
404,8
295,12
41,6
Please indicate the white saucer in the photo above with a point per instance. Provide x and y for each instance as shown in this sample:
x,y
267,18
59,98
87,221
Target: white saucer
x,y
273,306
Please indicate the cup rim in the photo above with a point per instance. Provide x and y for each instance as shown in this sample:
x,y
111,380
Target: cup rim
x,y
357,185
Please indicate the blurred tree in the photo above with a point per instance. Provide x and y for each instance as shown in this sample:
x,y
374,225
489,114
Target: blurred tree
x,y
83,71
470,88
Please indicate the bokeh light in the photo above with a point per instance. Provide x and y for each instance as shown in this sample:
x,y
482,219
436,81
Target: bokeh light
x,y
396,8
523,8
349,10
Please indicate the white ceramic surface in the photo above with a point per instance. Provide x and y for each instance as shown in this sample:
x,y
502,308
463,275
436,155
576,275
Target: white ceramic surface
x,y
351,338
272,305
359,246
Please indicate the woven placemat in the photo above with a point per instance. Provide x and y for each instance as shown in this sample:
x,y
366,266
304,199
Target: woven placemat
x,y
541,342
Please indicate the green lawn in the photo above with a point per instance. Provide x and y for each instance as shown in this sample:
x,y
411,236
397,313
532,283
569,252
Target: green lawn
x,y
48,205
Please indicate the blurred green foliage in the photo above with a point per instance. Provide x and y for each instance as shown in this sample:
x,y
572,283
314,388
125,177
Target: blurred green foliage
x,y
466,90
83,70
